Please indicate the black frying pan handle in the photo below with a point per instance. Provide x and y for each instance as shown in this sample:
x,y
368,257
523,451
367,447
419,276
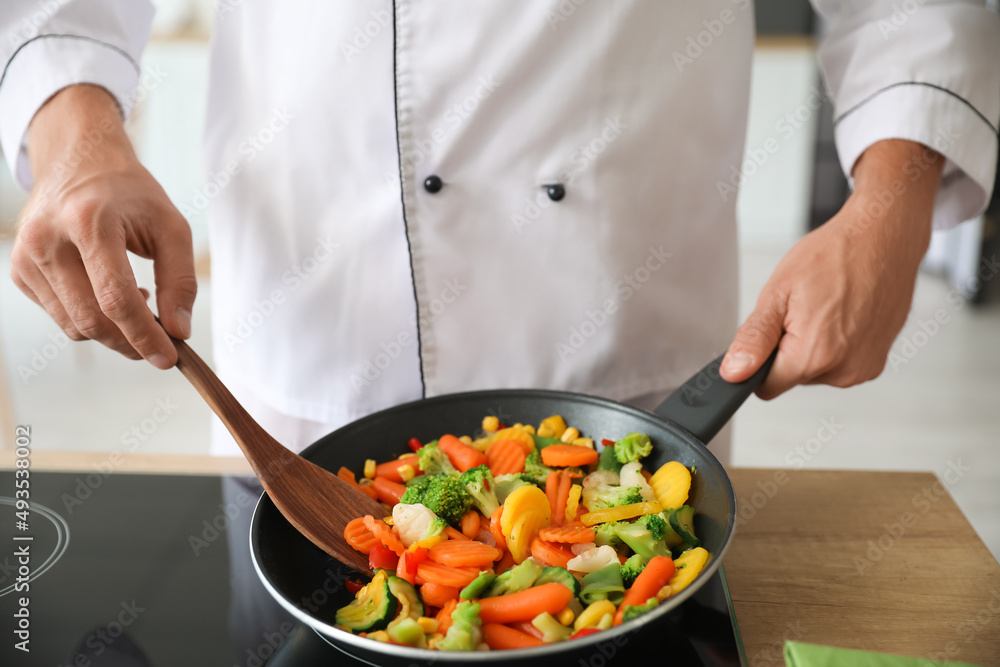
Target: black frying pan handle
x,y
704,403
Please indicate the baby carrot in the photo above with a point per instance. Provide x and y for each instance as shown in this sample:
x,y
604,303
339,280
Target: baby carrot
x,y
390,469
552,491
505,563
562,456
388,491
562,496
653,577
453,534
470,524
525,605
499,637
460,454
438,595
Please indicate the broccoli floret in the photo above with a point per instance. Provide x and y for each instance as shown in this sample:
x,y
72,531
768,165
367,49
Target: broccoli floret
x,y
518,578
635,611
479,483
505,485
433,461
631,569
445,495
466,631
655,523
606,534
641,540
633,447
435,528
604,496
534,470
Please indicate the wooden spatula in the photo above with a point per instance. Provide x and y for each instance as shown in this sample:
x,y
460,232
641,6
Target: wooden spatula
x,y
318,503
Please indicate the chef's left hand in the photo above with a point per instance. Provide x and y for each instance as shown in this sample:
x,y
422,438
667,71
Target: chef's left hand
x,y
837,300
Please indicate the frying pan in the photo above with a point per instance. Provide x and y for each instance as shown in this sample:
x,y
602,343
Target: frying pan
x,y
309,584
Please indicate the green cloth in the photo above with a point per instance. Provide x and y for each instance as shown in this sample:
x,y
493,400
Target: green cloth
x,y
800,654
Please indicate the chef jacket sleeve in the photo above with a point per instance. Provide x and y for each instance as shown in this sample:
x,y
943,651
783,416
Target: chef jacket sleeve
x,y
50,44
923,70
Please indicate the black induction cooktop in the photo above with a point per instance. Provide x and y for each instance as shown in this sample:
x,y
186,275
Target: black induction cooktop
x,y
153,571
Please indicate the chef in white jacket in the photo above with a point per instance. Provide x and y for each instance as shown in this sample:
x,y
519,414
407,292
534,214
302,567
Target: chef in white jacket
x,y
414,198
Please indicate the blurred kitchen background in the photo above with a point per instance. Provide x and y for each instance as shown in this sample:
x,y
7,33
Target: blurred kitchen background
x,y
938,409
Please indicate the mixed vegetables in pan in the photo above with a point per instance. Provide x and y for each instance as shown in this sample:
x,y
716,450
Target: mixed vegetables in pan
x,y
519,538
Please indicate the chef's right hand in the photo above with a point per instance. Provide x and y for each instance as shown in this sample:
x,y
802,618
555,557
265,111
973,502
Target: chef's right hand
x,y
92,201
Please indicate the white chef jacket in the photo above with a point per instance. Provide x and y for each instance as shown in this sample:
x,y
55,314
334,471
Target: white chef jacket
x,y
344,281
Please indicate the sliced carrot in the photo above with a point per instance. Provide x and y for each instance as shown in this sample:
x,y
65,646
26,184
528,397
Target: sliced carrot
x,y
368,488
383,533
562,496
464,553
505,563
444,616
459,577
495,529
562,456
453,534
505,457
470,524
551,553
571,533
653,577
388,491
552,490
348,476
525,605
460,454
390,469
438,595
499,637
358,535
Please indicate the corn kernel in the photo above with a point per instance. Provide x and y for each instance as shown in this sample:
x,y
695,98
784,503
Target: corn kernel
x,y
554,424
606,622
584,442
529,428
490,424
429,625
466,440
593,614
434,639
664,593
482,444
379,636
544,432
566,616
403,456
406,472
569,435
370,468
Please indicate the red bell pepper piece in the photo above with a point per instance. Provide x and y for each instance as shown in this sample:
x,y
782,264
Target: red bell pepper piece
x,y
382,557
414,444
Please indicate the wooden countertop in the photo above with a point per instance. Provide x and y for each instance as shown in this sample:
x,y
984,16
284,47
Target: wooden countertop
x,y
881,561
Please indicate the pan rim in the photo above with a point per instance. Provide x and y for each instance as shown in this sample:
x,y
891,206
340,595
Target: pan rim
x,y
333,634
